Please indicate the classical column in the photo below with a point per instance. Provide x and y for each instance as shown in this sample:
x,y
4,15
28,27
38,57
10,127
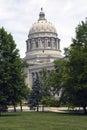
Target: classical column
x,y
46,42
53,42
59,44
40,43
29,42
33,44
43,42
27,46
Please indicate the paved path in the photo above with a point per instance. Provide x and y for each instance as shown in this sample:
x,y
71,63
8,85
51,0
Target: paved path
x,y
54,109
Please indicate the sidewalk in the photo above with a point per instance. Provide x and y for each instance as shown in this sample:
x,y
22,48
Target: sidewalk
x,y
53,109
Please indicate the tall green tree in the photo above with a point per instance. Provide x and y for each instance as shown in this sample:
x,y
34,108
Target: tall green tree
x,y
40,89
44,76
75,77
35,94
45,87
12,85
55,81
56,75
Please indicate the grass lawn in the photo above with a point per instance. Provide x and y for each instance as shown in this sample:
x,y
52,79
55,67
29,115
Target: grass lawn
x,y
42,121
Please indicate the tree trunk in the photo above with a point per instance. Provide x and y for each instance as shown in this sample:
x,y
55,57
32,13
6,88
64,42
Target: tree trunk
x,y
14,108
43,108
21,106
37,108
84,108
0,110
0,113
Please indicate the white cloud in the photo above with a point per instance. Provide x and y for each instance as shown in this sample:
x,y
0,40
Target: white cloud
x,y
17,16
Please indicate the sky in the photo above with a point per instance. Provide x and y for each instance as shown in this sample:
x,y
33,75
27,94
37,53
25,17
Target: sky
x,y
17,17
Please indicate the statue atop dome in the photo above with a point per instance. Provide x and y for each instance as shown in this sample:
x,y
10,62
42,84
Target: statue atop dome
x,y
41,15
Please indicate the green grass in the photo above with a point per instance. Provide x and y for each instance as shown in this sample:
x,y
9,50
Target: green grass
x,y
42,121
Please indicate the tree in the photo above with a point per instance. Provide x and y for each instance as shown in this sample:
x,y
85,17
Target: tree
x,y
45,87
12,79
56,75
40,89
51,86
55,81
36,94
75,77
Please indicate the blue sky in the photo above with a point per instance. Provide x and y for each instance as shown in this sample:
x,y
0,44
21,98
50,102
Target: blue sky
x,y
17,16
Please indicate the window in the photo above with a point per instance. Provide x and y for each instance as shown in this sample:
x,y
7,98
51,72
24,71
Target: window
x,y
30,46
36,44
48,44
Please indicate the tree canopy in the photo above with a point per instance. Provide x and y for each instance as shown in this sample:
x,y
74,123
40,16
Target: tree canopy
x,y
12,78
75,77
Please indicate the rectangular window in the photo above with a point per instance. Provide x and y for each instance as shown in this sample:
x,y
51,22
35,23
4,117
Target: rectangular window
x,y
36,44
48,44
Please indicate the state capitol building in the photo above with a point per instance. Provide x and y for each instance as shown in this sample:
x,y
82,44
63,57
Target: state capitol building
x,y
42,48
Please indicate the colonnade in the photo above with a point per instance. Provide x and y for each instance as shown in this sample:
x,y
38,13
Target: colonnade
x,y
40,43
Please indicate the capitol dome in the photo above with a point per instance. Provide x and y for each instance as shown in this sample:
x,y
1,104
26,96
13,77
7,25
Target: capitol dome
x,y
42,39
42,48
42,25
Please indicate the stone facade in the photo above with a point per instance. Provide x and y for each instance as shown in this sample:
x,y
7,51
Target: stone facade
x,y
42,48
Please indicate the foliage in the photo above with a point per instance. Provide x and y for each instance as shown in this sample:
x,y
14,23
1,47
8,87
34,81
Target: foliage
x,y
75,76
40,89
35,94
45,87
49,102
55,78
54,103
12,84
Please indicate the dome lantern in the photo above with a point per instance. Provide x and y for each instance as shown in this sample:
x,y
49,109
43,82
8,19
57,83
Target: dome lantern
x,y
41,15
